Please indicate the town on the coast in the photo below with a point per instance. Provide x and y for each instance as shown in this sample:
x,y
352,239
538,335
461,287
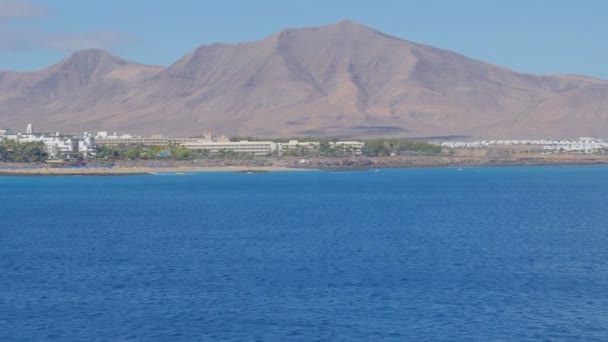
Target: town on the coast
x,y
58,147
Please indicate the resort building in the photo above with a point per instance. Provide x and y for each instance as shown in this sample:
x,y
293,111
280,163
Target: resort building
x,y
582,145
103,139
355,147
256,148
56,145
213,145
87,145
294,145
118,141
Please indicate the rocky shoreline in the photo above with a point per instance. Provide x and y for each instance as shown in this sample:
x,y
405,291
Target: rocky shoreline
x,y
446,161
269,164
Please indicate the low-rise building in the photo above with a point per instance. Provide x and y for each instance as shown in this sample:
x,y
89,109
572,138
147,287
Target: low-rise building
x,y
55,145
257,148
87,145
354,147
582,145
294,145
103,139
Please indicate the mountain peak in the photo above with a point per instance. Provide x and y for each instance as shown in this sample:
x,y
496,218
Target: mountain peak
x,y
344,30
94,56
91,52
90,62
346,26
347,23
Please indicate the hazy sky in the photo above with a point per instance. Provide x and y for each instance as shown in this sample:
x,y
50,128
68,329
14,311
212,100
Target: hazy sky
x,y
541,36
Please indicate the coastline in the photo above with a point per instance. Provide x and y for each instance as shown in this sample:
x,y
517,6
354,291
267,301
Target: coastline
x,y
319,164
133,171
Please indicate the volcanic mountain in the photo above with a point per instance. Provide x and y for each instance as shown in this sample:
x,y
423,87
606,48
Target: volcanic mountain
x,y
344,79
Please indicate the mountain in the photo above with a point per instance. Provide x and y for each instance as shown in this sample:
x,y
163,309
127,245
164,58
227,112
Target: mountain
x,y
343,79
70,93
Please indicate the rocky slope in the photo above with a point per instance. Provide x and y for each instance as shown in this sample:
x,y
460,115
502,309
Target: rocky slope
x,y
340,79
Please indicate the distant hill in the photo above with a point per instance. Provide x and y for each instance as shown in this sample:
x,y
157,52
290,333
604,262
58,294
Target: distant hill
x,y
343,79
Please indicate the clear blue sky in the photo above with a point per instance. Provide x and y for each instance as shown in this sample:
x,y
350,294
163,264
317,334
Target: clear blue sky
x,y
540,36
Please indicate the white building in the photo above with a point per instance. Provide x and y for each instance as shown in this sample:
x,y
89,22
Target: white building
x,y
256,148
297,145
207,143
87,145
55,145
355,147
131,140
582,145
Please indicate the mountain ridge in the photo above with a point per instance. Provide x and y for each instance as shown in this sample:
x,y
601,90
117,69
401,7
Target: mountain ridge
x,y
341,79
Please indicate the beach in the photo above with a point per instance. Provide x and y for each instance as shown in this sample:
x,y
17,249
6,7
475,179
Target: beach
x,y
130,171
273,164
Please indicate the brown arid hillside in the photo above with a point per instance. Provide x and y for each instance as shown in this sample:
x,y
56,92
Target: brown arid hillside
x,y
344,79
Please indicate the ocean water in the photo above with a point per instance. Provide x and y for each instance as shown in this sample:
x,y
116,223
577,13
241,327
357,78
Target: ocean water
x,y
480,254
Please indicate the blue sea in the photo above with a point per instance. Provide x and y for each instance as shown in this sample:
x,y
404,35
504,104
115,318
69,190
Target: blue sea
x,y
478,254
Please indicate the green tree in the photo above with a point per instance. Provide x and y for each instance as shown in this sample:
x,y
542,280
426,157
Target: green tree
x,y
13,151
385,147
182,153
132,154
